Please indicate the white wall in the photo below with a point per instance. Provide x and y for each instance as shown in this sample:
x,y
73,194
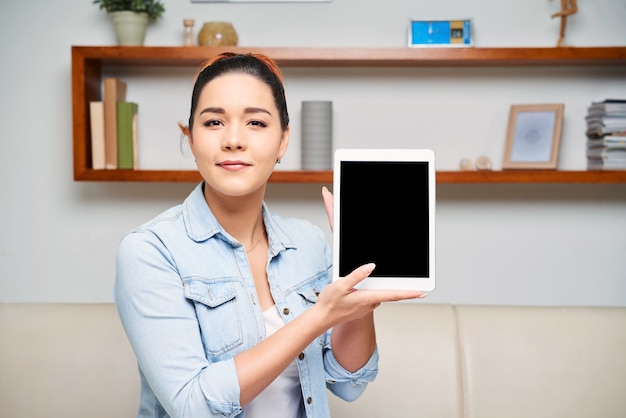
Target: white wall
x,y
508,244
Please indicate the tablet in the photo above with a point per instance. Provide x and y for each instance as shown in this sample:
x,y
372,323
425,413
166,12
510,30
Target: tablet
x,y
384,212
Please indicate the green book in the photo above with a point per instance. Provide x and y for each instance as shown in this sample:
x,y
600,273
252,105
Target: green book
x,y
126,135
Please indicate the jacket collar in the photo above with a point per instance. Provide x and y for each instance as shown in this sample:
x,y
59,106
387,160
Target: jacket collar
x,y
202,225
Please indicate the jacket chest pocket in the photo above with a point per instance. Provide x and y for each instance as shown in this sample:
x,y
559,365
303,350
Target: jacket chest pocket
x,y
218,315
310,290
309,293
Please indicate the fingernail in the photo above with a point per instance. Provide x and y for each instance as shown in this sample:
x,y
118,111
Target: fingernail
x,y
369,267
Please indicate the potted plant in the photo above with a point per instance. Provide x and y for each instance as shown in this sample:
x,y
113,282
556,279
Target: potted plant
x,y
131,18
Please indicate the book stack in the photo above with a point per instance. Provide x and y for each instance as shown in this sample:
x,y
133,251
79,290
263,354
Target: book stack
x,y
113,128
606,135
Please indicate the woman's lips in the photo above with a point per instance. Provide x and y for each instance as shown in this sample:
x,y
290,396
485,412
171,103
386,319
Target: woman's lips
x,y
233,165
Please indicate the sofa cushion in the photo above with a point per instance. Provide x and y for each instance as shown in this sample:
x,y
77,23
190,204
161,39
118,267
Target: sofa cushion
x,y
65,361
538,362
419,373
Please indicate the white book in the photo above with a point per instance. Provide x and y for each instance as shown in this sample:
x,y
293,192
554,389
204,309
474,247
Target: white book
x,y
96,117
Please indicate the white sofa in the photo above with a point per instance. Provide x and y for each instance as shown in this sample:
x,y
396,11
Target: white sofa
x,y
73,360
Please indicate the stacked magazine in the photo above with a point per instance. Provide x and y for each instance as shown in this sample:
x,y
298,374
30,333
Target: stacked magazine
x,y
606,135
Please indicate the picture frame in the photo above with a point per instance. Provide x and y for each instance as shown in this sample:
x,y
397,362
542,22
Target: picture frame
x,y
533,136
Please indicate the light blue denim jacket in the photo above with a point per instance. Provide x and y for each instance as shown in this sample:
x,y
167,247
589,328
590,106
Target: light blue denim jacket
x,y
186,298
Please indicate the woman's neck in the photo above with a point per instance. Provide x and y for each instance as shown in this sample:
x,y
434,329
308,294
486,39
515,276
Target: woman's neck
x,y
241,217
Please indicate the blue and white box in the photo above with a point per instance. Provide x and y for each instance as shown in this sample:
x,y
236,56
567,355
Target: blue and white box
x,y
440,33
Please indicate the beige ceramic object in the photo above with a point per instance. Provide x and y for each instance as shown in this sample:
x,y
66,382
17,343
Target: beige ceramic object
x,y
483,163
130,27
466,164
218,34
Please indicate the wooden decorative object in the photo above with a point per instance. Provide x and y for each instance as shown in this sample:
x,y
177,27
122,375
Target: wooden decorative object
x,y
568,8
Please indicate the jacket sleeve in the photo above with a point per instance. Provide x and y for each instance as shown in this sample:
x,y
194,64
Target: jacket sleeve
x,y
162,328
348,385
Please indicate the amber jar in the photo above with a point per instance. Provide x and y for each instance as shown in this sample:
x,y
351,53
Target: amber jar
x,y
218,34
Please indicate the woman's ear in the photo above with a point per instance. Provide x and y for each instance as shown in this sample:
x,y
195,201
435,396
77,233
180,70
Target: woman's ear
x,y
184,130
284,141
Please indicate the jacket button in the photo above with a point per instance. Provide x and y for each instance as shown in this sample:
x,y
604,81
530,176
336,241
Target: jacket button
x,y
286,311
301,356
309,400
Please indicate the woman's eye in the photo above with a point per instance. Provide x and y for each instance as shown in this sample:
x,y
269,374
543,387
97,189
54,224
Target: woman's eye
x,y
258,123
212,122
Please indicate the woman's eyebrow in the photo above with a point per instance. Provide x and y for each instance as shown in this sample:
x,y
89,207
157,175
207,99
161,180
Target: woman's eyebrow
x,y
247,110
213,110
256,110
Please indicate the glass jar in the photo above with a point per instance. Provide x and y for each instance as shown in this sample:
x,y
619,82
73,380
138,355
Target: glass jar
x,y
188,32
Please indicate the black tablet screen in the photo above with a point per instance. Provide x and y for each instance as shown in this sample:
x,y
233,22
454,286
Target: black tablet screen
x,y
384,218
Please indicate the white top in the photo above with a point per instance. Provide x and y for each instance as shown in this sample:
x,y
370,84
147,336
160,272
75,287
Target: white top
x,y
283,397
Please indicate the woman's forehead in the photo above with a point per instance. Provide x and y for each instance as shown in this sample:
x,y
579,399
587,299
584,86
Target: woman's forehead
x,y
236,87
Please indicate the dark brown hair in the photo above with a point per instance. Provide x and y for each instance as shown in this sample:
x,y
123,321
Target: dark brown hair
x,y
257,65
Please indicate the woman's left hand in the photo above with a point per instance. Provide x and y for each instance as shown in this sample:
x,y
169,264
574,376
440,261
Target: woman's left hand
x,y
328,204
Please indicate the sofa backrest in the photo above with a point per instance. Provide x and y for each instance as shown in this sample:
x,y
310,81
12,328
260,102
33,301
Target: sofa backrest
x,y
496,361
74,361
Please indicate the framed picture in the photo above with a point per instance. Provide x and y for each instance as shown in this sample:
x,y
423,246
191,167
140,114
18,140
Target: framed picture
x,y
533,136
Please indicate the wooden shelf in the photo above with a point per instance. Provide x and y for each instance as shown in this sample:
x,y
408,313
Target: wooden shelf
x,y
358,57
326,177
88,61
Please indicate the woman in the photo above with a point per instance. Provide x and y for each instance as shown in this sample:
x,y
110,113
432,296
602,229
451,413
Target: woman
x,y
230,309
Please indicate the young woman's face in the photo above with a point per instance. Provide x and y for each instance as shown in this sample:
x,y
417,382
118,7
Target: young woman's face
x,y
236,136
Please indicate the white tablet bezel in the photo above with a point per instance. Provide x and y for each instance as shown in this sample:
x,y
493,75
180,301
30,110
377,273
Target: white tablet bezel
x,y
425,284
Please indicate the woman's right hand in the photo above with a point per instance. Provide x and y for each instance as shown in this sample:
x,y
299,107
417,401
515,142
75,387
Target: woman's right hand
x,y
341,301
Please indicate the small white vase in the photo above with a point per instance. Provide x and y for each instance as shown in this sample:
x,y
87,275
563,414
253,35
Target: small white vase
x,y
130,27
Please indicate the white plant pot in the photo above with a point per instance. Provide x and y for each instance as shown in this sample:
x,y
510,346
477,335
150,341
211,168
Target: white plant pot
x,y
130,27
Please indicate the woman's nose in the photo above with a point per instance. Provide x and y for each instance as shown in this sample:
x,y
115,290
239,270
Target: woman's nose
x,y
233,139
